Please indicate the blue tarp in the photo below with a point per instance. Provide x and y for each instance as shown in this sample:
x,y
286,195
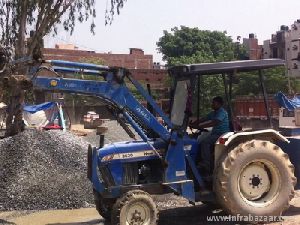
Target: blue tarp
x,y
36,108
285,102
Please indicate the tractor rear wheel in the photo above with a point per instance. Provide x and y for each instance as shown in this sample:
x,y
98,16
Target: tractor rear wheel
x,y
256,178
134,208
103,206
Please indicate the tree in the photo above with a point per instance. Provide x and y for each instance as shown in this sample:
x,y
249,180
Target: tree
x,y
191,45
18,17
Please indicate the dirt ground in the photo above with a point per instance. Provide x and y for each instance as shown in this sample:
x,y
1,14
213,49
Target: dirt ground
x,y
196,215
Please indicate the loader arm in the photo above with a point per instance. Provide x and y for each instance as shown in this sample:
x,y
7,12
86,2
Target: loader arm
x,y
113,91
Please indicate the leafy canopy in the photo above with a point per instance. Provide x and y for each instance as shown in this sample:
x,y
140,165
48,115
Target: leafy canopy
x,y
191,45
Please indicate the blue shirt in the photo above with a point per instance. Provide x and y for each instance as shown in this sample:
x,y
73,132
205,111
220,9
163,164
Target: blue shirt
x,y
223,125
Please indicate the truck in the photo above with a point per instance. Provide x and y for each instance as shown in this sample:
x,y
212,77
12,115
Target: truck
x,y
254,171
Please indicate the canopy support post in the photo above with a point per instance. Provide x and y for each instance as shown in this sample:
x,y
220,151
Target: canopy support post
x,y
198,97
262,83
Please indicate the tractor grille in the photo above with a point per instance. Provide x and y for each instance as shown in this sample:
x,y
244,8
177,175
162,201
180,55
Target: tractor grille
x,y
130,173
106,176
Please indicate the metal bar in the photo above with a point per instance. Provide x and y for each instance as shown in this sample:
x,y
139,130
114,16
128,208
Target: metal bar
x,y
149,106
101,141
151,102
135,126
77,71
225,87
195,171
140,132
228,100
61,117
198,97
262,83
87,66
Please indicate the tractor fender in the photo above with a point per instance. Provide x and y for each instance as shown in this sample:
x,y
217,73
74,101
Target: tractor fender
x,y
229,140
267,134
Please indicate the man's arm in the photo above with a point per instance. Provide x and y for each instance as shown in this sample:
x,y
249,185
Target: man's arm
x,y
209,123
195,123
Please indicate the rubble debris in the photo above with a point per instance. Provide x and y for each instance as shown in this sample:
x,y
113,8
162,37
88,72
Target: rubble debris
x,y
43,170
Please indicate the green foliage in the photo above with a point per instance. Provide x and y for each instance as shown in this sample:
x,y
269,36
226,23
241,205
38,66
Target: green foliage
x,y
249,83
191,45
116,5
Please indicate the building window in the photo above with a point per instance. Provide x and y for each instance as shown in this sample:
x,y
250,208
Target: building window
x,y
295,66
295,47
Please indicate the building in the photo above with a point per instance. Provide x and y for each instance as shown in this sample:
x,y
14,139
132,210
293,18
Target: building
x,y
293,50
285,44
252,47
266,50
279,43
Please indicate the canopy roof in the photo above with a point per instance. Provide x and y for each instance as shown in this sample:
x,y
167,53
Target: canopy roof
x,y
225,67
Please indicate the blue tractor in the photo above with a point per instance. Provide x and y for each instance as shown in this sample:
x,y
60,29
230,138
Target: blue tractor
x,y
252,173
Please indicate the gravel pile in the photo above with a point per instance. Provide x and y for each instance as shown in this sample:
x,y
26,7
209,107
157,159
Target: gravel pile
x,y
43,170
47,170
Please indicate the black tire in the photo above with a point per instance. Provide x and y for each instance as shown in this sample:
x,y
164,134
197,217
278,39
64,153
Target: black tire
x,y
131,201
103,206
273,194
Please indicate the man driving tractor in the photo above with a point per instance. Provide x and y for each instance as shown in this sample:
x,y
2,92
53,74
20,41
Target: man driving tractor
x,y
218,120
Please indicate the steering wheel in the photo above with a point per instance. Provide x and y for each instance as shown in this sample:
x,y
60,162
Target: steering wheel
x,y
203,130
198,132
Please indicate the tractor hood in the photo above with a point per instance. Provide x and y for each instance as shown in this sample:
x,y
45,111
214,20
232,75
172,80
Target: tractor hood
x,y
130,151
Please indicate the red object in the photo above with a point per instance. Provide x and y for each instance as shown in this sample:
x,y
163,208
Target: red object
x,y
254,108
222,141
52,127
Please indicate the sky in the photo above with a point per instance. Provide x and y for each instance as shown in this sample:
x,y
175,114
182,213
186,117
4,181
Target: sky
x,y
141,22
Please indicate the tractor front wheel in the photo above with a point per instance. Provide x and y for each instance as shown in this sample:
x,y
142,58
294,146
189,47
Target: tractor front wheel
x,y
103,206
134,208
256,178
